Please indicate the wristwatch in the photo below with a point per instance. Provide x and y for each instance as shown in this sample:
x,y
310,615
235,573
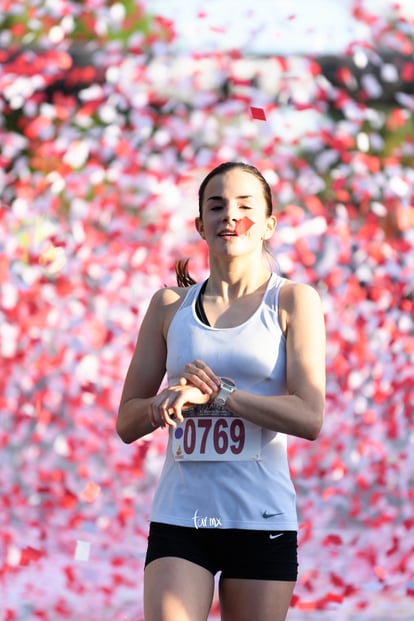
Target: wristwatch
x,y
226,388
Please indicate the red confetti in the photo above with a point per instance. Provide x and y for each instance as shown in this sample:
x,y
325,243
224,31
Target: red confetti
x,y
30,554
332,540
258,113
243,225
407,72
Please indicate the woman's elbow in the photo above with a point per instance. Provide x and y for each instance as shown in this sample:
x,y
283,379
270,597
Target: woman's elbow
x,y
131,430
315,425
123,432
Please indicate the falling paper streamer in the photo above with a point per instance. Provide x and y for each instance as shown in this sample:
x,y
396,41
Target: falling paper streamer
x,y
82,550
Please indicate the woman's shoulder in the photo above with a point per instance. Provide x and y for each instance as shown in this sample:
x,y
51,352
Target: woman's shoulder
x,y
295,293
167,296
298,301
166,302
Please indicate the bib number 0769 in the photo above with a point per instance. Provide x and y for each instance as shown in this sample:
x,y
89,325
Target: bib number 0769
x,y
211,438
225,435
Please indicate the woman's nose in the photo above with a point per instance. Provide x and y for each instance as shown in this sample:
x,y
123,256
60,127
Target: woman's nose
x,y
230,213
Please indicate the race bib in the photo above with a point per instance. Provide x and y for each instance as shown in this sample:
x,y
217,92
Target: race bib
x,y
221,438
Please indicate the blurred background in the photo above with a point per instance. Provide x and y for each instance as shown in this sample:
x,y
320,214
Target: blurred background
x,y
111,112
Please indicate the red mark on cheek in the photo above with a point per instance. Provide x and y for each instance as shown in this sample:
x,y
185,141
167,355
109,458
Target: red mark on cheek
x,y
243,225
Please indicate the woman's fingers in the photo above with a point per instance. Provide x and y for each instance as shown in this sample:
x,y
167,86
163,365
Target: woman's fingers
x,y
166,408
201,376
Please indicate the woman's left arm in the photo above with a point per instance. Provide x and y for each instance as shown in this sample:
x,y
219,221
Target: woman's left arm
x,y
301,411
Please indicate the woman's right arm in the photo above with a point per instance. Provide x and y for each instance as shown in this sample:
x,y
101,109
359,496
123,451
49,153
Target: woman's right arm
x,y
146,371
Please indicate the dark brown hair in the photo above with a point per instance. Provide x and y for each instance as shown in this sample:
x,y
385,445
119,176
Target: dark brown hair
x,y
184,279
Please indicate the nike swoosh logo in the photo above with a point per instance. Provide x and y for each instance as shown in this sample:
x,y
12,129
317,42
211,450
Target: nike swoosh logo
x,y
275,536
267,515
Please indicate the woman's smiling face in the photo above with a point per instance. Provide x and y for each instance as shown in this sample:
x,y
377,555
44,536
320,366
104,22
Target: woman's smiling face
x,y
234,212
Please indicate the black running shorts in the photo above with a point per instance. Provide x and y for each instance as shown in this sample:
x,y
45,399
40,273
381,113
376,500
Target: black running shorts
x,y
236,553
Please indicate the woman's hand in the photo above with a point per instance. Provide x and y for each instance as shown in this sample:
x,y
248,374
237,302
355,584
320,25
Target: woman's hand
x,y
166,407
198,374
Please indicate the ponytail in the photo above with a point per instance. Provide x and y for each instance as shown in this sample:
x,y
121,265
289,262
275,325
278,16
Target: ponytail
x,y
184,278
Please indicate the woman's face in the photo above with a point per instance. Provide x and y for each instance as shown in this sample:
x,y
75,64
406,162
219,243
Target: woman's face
x,y
234,219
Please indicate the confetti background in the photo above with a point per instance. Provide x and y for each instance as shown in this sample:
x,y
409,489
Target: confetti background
x,y
105,134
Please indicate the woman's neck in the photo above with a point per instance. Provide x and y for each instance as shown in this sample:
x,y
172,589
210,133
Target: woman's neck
x,y
229,284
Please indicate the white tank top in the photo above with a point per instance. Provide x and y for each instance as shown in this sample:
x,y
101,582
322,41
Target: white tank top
x,y
256,494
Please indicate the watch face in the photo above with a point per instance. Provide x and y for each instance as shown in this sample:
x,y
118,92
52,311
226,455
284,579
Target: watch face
x,y
227,386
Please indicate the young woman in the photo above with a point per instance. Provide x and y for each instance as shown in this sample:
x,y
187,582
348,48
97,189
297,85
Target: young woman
x,y
244,354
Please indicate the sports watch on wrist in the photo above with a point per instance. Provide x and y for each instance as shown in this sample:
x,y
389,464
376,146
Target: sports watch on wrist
x,y
226,388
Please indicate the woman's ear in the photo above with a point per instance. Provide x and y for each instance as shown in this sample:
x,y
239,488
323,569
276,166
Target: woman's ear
x,y
199,226
271,224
